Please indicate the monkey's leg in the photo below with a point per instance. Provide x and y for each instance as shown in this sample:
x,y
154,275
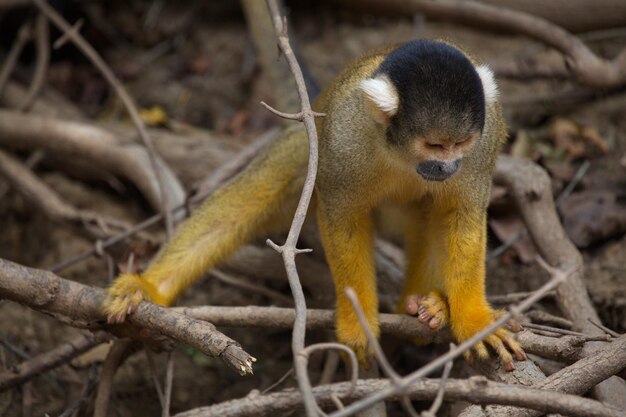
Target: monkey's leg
x,y
464,280
422,295
349,246
232,216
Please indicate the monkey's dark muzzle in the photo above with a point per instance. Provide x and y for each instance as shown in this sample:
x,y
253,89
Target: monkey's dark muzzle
x,y
437,170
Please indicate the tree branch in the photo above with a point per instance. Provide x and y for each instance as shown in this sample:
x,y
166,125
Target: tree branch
x,y
476,390
81,306
586,66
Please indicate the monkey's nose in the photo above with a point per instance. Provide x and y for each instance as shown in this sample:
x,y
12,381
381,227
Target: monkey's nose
x,y
433,170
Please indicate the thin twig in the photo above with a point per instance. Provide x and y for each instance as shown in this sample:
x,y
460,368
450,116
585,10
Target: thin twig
x,y
372,340
477,390
169,378
119,89
604,328
280,381
603,338
289,250
25,371
580,173
154,377
23,36
42,42
432,411
87,391
354,363
241,283
112,362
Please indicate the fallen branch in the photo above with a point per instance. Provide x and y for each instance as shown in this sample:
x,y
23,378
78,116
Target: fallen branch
x,y
399,325
575,379
289,250
95,58
81,306
476,390
42,42
25,371
40,195
74,140
568,349
24,33
586,66
530,186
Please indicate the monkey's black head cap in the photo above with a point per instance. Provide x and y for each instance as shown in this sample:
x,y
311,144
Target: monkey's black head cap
x,y
438,88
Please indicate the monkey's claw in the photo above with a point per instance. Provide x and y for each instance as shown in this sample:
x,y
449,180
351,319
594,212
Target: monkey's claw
x,y
125,294
431,309
503,344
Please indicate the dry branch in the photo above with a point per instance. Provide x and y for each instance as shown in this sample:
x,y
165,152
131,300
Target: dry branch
x,y
568,349
530,186
259,22
81,306
39,194
24,33
113,360
42,41
572,15
575,379
288,250
86,142
49,360
586,66
476,390
90,53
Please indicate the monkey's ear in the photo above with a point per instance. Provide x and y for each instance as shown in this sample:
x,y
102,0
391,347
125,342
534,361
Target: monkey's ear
x,y
382,97
490,87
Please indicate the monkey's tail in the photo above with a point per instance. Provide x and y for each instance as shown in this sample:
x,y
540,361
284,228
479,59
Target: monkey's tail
x,y
232,216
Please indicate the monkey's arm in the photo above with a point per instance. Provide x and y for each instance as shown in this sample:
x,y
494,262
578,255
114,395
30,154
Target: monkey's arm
x,y
348,240
464,283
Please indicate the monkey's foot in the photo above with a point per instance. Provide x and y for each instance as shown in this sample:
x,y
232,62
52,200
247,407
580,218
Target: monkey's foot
x,y
501,341
431,309
125,294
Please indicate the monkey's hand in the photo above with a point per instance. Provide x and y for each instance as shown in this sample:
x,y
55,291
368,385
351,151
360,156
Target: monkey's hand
x,y
431,309
473,319
125,294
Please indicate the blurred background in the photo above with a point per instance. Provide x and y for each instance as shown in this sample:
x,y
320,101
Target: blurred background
x,y
197,72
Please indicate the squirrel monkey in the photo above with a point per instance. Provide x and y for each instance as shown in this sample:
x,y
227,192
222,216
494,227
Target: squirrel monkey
x,y
415,126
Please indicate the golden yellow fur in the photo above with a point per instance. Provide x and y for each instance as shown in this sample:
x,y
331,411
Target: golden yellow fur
x,y
445,233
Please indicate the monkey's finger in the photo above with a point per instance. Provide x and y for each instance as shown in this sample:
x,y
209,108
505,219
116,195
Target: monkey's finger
x,y
512,344
424,317
412,304
481,351
505,357
434,324
469,358
133,302
514,326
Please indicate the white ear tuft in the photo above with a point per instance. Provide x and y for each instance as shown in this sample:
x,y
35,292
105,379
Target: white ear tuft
x,y
490,87
382,93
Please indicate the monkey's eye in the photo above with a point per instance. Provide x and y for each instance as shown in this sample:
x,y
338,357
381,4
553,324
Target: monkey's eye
x,y
434,145
464,142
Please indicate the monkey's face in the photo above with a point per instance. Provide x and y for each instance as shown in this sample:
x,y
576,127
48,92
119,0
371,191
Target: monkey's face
x,y
431,101
439,159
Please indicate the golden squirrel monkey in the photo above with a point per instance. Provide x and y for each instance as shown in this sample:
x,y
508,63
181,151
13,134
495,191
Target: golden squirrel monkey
x,y
416,126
